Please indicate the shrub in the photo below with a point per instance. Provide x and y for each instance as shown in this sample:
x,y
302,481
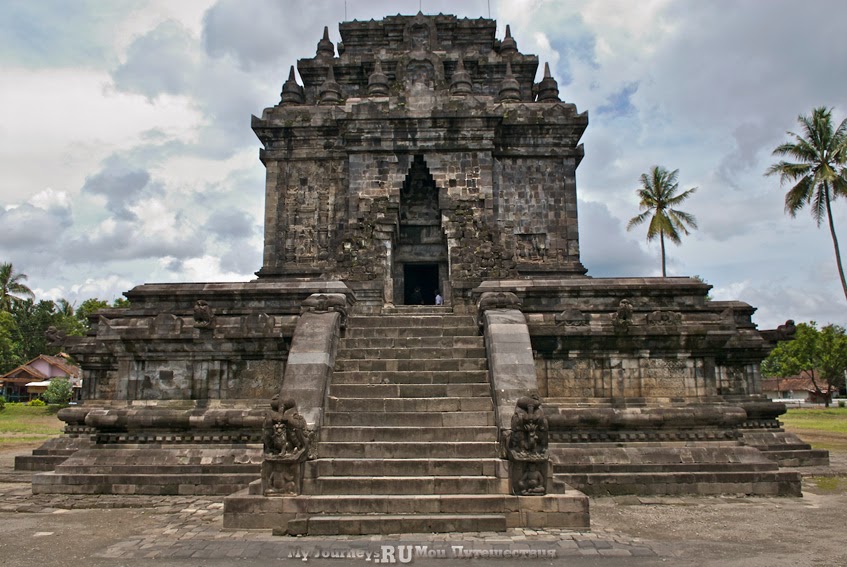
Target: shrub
x,y
37,403
58,392
2,403
841,403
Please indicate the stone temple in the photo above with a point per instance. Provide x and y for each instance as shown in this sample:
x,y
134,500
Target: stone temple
x,y
417,158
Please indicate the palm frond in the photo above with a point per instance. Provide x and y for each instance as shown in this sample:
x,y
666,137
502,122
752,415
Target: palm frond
x,y
799,195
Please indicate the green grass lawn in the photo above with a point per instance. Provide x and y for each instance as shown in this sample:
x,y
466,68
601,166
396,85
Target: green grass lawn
x,y
21,423
832,420
822,428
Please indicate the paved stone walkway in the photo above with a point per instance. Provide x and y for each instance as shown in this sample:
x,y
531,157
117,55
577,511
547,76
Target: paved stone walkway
x,y
191,527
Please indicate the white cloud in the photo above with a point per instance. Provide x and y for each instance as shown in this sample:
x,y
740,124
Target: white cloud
x,y
108,288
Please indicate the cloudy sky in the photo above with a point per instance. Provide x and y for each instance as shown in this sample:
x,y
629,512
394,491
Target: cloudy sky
x,y
127,156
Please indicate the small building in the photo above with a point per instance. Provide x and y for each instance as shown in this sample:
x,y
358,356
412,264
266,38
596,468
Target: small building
x,y
28,381
800,388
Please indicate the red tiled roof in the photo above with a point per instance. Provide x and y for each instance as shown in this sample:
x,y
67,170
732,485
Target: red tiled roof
x,y
800,383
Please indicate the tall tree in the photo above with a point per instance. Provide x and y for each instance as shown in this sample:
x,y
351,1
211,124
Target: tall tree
x,y
33,320
659,195
10,351
12,290
819,354
818,173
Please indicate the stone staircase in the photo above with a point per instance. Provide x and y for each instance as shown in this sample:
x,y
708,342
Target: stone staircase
x,y
408,441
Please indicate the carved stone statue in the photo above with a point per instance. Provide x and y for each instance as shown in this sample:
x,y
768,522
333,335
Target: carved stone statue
x,y
204,318
529,428
284,432
527,448
531,482
325,303
498,300
622,319
783,332
286,447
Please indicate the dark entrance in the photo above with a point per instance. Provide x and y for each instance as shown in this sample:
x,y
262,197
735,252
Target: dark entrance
x,y
420,284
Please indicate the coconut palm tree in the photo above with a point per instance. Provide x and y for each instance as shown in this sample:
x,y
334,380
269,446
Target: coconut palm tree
x,y
11,288
817,174
658,194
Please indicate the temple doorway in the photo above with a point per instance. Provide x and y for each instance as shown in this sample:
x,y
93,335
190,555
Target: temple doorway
x,y
420,261
420,284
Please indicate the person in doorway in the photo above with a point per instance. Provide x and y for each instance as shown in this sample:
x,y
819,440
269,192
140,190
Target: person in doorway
x,y
438,299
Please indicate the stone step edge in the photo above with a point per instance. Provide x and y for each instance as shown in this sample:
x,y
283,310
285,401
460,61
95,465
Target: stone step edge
x,y
392,523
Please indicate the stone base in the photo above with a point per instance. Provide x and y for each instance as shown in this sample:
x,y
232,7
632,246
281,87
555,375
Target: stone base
x,y
670,469
52,453
370,514
784,448
154,470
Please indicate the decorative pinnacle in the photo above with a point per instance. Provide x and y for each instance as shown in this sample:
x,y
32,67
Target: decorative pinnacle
x,y
461,82
378,81
510,89
548,88
330,90
292,93
508,46
325,46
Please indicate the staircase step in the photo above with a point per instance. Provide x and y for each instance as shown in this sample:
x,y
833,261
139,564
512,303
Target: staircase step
x,y
442,310
385,524
409,450
411,365
410,391
403,343
408,434
405,485
417,377
419,353
392,405
406,467
38,462
409,330
409,418
420,320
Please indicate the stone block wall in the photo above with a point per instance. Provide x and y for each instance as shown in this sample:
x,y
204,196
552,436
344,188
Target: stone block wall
x,y
595,375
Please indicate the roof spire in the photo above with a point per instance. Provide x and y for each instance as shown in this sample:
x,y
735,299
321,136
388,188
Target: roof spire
x,y
330,91
548,88
292,93
378,81
325,46
508,46
461,83
510,89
